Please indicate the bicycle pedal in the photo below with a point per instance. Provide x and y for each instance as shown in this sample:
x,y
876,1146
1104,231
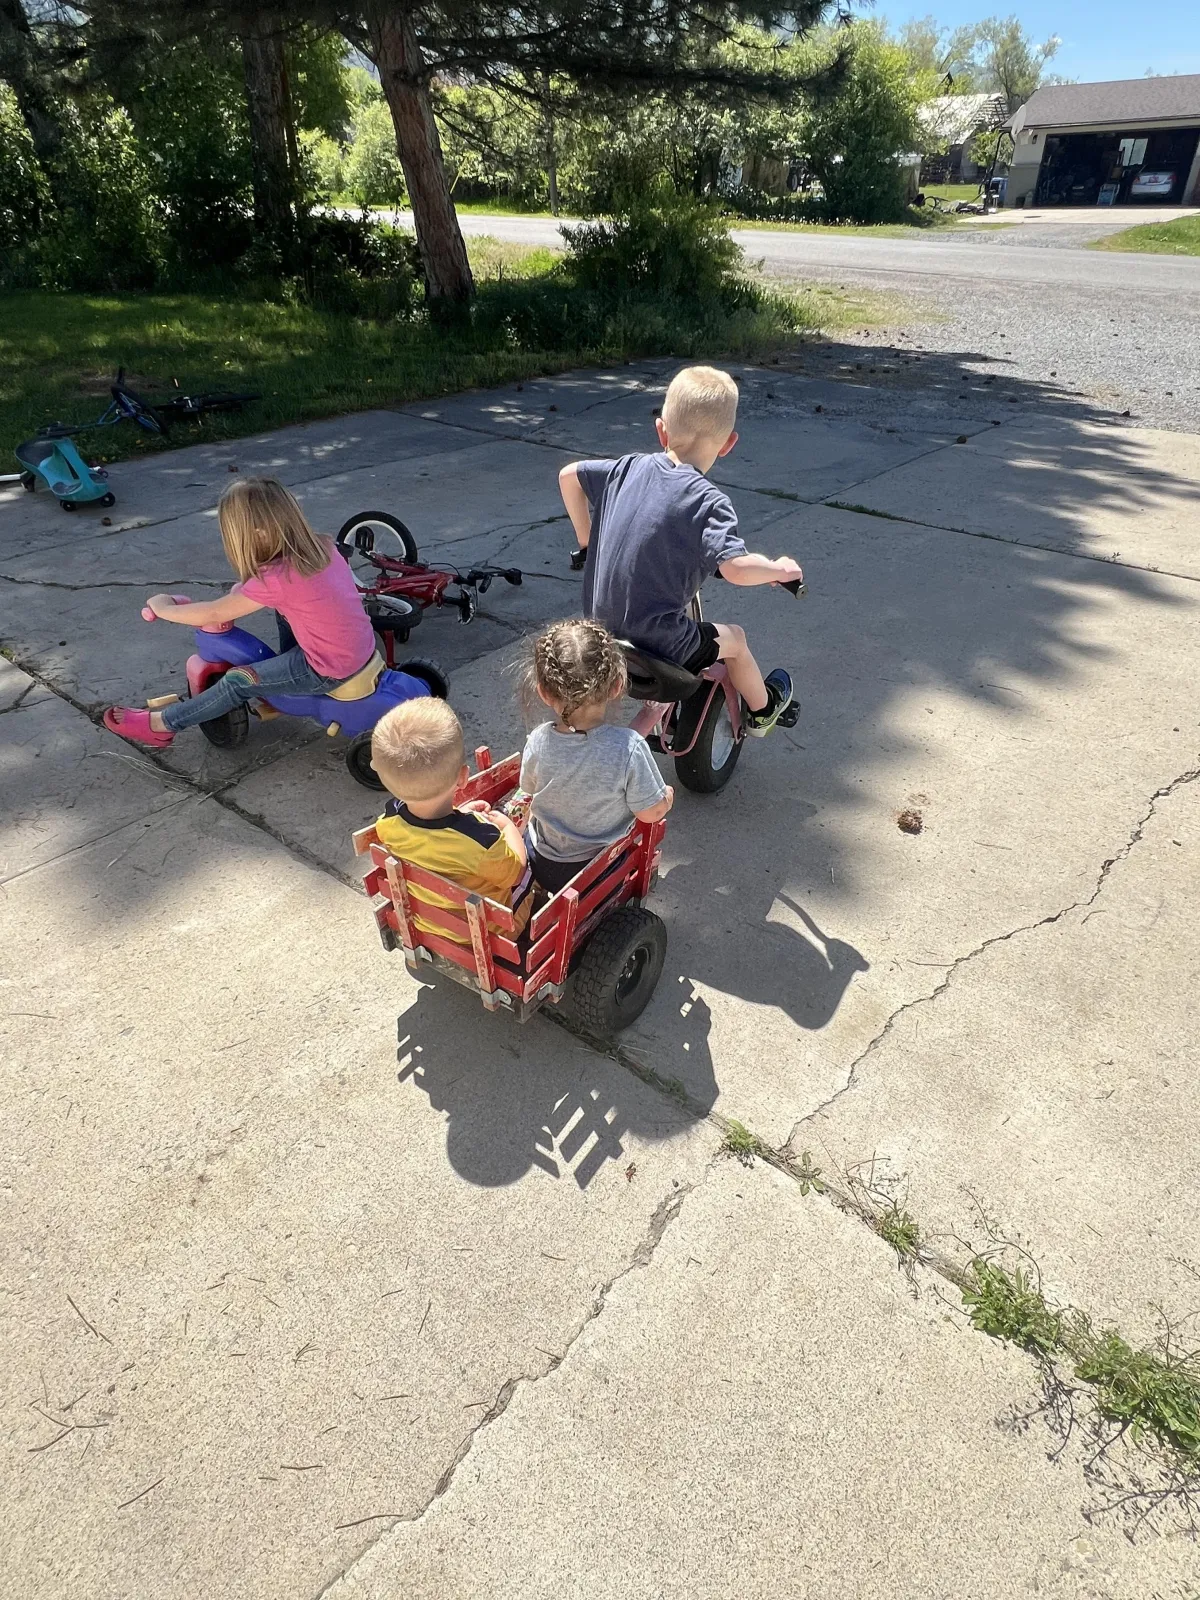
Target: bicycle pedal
x,y
263,711
790,715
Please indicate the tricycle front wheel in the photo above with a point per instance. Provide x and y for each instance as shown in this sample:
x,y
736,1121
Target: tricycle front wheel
x,y
230,729
619,970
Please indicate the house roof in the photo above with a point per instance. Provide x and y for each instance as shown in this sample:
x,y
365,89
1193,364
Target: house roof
x,y
955,117
1128,101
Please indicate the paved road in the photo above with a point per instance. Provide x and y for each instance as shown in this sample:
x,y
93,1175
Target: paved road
x,y
955,255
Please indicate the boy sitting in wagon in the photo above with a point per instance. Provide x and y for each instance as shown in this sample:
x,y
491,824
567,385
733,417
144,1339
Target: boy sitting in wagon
x,y
418,751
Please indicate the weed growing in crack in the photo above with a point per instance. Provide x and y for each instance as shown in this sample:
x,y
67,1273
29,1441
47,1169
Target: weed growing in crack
x,y
740,1142
1155,1391
1010,1305
806,1174
900,1230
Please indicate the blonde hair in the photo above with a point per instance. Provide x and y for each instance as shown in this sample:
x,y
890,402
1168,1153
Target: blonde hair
x,y
261,522
577,663
701,404
417,749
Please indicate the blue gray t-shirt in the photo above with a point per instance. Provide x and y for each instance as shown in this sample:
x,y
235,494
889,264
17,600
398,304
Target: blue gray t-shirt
x,y
658,530
586,788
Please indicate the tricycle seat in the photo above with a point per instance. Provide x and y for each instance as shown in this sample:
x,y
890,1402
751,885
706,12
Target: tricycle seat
x,y
363,682
652,677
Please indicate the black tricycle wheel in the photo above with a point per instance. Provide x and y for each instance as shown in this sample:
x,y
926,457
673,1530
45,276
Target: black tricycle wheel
x,y
357,536
708,766
230,729
28,482
358,762
428,671
107,500
619,970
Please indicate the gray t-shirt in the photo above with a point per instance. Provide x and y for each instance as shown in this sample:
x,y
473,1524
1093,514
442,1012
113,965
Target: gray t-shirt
x,y
658,530
586,788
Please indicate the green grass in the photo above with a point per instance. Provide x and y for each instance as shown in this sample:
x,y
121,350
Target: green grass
x,y
952,193
59,352
1178,238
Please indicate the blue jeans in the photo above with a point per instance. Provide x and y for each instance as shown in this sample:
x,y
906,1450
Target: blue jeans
x,y
290,672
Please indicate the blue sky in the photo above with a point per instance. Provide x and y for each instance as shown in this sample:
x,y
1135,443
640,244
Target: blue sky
x,y
1100,38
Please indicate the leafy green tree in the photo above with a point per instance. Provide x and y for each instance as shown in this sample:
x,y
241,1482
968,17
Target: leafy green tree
x,y
108,229
600,44
1006,60
853,137
371,171
189,112
941,53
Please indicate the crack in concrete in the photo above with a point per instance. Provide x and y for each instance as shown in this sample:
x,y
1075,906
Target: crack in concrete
x,y
17,703
114,583
953,967
663,1215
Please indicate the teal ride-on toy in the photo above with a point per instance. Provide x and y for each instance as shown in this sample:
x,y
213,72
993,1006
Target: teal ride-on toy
x,y
54,460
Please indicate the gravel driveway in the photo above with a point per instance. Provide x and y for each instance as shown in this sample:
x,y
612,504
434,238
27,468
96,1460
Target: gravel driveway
x,y
1067,343
1055,326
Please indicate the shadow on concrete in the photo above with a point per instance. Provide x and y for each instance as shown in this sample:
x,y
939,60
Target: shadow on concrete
x,y
519,1096
896,609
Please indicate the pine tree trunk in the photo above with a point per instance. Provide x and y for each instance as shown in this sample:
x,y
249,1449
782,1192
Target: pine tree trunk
x,y
20,69
272,138
404,79
551,143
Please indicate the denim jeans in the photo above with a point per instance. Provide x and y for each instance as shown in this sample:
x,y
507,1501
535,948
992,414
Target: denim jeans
x,y
290,672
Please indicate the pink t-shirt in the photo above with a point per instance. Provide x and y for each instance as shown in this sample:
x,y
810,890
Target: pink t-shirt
x,y
324,611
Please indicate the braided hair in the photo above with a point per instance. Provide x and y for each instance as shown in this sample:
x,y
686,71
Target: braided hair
x,y
577,663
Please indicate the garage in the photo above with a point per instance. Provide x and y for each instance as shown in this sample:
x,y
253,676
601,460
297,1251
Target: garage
x,y
1129,143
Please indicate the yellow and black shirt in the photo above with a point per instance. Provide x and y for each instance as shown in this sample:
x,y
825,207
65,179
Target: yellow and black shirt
x,y
461,846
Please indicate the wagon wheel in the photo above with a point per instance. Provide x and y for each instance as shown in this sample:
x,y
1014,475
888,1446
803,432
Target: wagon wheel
x,y
618,970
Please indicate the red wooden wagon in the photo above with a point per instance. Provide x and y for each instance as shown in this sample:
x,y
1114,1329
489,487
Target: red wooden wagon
x,y
595,929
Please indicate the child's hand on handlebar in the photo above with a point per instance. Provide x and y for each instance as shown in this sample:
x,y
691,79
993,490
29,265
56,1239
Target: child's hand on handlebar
x,y
788,571
164,605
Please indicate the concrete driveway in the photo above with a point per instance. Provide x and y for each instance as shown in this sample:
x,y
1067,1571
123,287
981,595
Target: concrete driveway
x,y
321,1283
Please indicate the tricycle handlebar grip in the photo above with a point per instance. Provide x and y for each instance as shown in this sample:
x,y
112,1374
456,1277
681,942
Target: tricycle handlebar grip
x,y
179,599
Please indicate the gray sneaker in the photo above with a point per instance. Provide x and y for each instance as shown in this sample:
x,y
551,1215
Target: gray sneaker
x,y
779,687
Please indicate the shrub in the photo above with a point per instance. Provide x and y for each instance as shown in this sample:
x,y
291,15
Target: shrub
x,y
104,229
758,206
24,192
666,246
371,171
356,266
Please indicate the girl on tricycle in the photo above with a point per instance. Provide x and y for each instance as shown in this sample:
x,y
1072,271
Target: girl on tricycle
x,y
326,640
